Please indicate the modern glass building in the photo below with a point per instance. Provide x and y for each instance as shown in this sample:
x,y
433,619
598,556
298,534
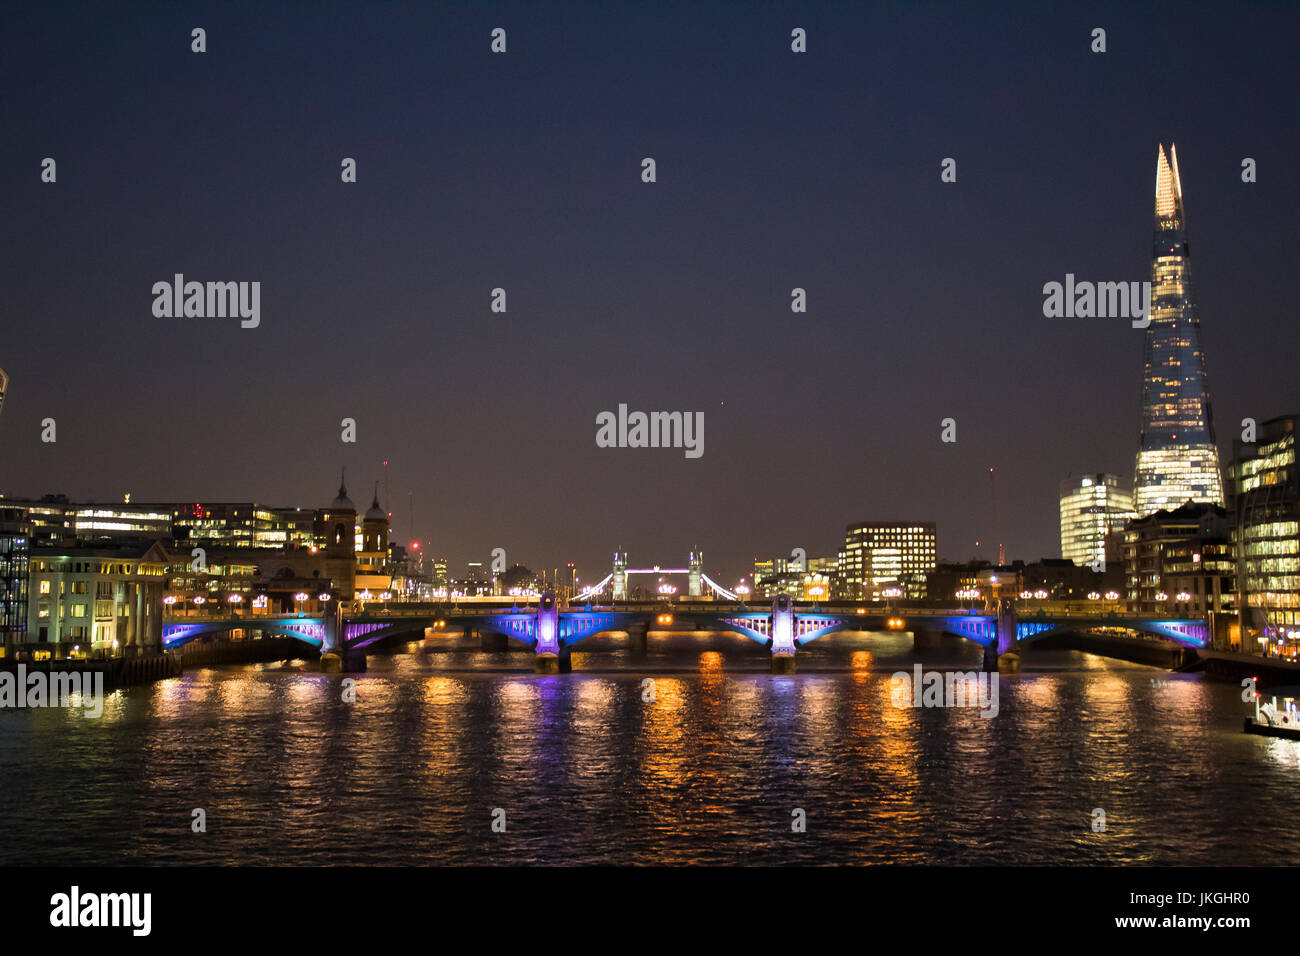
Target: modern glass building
x,y
15,555
1264,497
1177,459
1091,508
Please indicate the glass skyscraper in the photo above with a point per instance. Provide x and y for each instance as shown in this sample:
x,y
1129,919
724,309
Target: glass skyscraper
x,y
1264,494
1177,460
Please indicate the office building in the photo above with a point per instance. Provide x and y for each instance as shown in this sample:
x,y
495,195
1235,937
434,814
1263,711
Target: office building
x,y
1091,508
880,556
1264,498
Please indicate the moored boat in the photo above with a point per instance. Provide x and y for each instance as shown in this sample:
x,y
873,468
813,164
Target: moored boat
x,y
1279,717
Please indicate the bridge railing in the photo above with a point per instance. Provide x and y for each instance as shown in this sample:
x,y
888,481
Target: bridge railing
x,y
201,617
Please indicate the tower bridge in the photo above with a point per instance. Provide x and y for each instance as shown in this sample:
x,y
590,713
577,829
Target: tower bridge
x,y
615,584
552,630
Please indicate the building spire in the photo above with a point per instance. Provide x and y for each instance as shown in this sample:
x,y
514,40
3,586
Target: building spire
x,y
343,482
1169,188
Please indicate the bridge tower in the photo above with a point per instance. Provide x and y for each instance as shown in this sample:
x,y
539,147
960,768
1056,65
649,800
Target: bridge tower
x,y
782,635
696,570
618,586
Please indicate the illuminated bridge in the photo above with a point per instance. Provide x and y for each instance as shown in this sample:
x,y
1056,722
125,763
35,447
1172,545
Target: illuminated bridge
x,y
552,630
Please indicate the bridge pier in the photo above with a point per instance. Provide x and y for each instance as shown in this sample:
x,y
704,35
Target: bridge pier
x,y
1002,655
782,664
783,646
552,656
343,661
638,638
926,639
336,657
488,640
492,641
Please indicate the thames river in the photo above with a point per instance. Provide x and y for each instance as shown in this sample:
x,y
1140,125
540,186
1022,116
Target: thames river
x,y
714,762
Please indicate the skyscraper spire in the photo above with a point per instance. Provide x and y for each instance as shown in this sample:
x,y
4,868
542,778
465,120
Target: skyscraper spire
x,y
1177,459
1169,191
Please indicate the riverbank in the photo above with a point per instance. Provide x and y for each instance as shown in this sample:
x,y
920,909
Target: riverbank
x,y
117,671
147,668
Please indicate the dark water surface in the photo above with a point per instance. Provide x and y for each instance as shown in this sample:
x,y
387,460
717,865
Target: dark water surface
x,y
586,771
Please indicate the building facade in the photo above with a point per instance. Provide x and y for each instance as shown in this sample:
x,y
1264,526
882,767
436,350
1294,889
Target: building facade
x,y
1180,562
884,555
15,559
374,573
87,601
1264,497
1092,507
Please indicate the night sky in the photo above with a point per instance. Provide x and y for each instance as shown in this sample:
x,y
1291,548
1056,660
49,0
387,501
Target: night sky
x,y
523,171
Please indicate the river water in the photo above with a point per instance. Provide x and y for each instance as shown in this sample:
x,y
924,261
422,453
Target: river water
x,y
443,740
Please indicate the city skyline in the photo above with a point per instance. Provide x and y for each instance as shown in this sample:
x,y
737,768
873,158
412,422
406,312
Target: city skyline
x,y
671,436
390,323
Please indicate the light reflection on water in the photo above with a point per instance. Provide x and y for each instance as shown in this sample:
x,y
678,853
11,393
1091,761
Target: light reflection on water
x,y
708,771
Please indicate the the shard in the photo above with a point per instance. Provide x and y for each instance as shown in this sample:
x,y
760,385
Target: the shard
x,y
1177,459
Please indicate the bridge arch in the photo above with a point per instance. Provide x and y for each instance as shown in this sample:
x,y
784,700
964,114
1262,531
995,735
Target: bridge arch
x,y
308,630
